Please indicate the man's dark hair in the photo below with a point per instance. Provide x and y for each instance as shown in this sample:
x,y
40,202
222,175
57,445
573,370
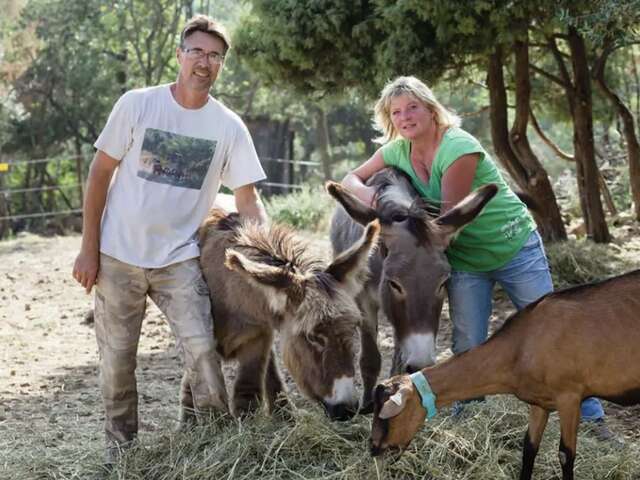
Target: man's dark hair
x,y
206,24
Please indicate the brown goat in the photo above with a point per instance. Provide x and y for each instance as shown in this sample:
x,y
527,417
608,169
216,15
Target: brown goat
x,y
263,279
408,271
567,346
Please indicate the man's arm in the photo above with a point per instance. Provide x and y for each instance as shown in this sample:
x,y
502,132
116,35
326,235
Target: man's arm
x,y
85,268
249,204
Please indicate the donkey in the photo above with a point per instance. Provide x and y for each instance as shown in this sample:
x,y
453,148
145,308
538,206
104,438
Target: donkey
x,y
408,271
569,345
263,279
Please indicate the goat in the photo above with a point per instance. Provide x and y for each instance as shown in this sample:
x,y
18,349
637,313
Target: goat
x,y
569,345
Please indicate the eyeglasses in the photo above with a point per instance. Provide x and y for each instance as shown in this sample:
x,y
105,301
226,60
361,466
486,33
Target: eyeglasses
x,y
199,54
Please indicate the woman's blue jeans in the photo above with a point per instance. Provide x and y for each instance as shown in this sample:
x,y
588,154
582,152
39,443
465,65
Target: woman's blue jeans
x,y
525,279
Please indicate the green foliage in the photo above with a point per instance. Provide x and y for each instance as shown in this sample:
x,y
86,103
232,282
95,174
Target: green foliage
x,y
315,46
307,209
600,21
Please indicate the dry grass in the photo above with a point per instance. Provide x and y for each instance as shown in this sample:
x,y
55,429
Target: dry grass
x,y
580,261
50,425
483,444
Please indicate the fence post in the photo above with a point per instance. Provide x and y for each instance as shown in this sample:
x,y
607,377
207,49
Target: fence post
x,y
80,172
4,211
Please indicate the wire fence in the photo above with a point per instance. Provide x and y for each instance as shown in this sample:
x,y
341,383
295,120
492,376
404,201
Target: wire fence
x,y
7,167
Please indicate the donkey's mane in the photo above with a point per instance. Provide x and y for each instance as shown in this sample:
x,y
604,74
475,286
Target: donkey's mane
x,y
398,200
277,246
281,247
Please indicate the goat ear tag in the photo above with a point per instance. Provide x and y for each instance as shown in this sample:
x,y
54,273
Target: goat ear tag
x,y
394,405
397,398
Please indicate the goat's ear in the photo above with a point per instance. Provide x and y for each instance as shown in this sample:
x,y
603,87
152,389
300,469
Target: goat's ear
x,y
395,404
464,212
276,283
361,213
351,267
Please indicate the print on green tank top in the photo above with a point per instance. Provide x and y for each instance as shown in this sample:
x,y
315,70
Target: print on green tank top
x,y
504,225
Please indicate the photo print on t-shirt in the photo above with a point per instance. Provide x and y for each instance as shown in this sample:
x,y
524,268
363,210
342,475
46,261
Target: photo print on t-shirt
x,y
175,159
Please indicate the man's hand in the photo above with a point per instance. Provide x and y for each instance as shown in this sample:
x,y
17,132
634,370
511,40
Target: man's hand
x,y
249,204
85,269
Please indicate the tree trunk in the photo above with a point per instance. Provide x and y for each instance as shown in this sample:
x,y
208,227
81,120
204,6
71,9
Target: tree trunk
x,y
322,140
188,9
536,181
499,118
503,148
121,71
604,189
629,129
582,113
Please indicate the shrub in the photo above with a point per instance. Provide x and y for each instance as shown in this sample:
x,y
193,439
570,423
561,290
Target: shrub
x,y
308,209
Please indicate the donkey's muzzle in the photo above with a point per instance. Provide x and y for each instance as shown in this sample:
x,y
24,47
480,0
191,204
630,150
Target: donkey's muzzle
x,y
341,411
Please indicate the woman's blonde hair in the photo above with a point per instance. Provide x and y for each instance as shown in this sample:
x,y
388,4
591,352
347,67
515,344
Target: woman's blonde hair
x,y
416,88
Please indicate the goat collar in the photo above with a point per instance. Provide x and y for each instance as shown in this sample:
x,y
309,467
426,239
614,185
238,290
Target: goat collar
x,y
426,394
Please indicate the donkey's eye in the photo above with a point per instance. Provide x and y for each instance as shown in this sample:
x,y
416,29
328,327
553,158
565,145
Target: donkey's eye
x,y
319,342
395,287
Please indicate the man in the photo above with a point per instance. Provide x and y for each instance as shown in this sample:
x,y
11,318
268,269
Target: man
x,y
170,147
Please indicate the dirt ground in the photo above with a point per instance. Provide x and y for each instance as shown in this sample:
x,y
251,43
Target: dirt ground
x,y
48,354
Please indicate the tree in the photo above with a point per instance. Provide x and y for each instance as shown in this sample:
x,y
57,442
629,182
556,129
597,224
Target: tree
x,y
322,52
611,28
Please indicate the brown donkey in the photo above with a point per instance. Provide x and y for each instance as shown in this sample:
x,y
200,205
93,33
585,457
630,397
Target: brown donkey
x,y
569,345
409,270
263,279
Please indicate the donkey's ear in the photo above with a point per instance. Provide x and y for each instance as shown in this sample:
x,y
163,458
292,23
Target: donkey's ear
x,y
395,404
356,209
276,283
351,267
464,212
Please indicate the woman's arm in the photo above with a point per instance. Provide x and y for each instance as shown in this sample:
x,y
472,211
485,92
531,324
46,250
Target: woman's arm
x,y
457,180
355,180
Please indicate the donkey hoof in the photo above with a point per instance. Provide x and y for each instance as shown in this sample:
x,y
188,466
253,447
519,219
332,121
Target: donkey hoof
x,y
244,407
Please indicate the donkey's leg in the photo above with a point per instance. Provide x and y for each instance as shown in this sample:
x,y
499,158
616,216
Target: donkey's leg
x,y
569,413
370,358
538,417
273,386
252,359
187,406
396,360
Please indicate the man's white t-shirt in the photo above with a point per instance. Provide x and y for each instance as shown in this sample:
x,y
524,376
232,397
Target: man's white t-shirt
x,y
172,161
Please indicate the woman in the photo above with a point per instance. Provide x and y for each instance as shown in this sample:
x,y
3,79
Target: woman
x,y
445,163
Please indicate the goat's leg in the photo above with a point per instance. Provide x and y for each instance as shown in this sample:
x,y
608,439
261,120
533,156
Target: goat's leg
x,y
273,386
569,413
538,417
248,387
370,358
